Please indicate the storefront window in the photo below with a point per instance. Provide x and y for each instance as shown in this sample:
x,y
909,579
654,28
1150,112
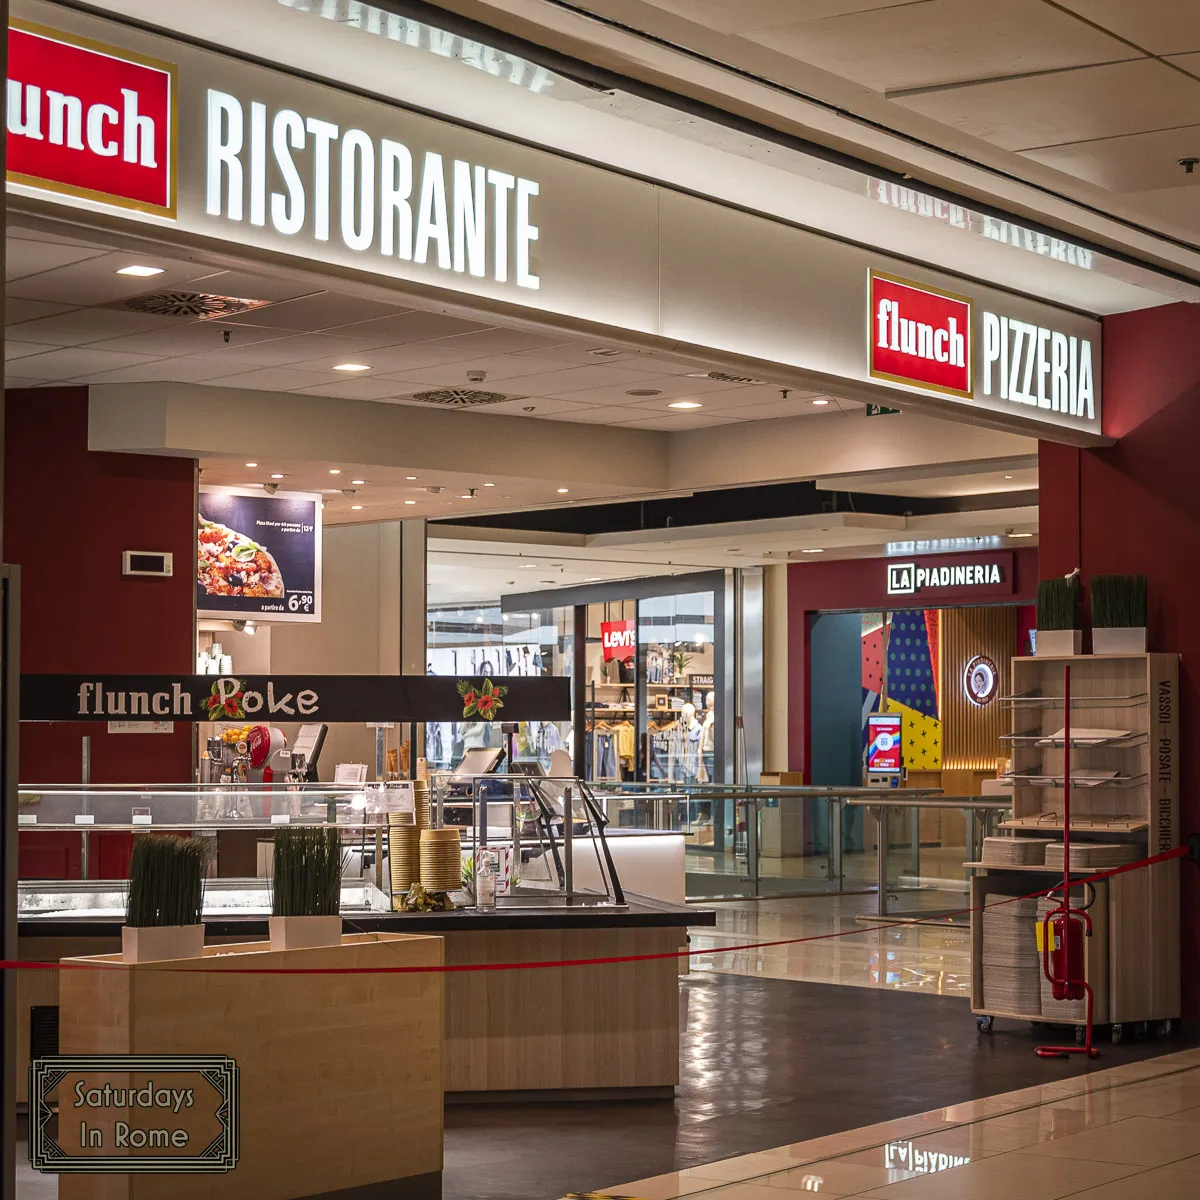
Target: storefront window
x,y
481,640
675,636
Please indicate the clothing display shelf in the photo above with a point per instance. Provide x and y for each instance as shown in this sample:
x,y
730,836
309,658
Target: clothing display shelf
x,y
1124,764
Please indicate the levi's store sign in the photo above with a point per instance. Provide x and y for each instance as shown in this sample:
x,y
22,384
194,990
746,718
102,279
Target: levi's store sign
x,y
921,337
90,120
620,640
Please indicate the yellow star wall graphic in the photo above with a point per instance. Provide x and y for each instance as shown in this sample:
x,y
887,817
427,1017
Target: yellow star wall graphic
x,y
922,737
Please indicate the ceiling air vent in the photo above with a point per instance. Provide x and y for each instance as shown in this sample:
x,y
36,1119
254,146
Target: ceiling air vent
x,y
189,304
459,397
722,377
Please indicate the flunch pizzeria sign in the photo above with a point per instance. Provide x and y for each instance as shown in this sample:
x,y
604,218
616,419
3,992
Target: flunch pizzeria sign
x,y
91,120
922,337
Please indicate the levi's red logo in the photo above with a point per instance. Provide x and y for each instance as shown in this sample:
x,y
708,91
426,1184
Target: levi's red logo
x,y
90,120
919,336
620,640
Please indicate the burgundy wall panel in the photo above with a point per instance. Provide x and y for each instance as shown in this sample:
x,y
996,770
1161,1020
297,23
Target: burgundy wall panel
x,y
68,515
1134,508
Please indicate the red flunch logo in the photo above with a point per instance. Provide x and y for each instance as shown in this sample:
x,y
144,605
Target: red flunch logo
x,y
90,120
919,336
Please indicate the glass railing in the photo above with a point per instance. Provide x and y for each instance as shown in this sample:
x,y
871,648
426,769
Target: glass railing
x,y
922,846
745,842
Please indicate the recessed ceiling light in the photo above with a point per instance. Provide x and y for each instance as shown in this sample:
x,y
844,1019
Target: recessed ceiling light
x,y
356,507
351,367
466,496
814,550
685,404
604,352
358,482
1020,535
592,578
139,272
410,478
1008,477
335,470
563,491
526,566
410,502
644,392
820,402
277,475
489,485
252,464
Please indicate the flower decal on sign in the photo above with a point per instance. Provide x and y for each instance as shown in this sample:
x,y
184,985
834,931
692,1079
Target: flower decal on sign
x,y
484,701
225,701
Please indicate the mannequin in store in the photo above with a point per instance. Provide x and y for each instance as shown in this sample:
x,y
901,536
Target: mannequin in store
x,y
693,733
708,736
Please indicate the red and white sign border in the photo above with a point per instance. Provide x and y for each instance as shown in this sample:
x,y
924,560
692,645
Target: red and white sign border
x,y
917,385
141,60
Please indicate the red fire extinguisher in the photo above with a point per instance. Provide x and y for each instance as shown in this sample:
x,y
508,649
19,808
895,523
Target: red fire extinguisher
x,y
1062,951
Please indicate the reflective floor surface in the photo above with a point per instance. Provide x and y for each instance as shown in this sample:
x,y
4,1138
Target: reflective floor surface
x,y
917,958
768,1063
1128,1133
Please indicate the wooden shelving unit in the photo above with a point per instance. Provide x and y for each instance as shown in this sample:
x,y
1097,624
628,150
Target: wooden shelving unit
x,y
1132,959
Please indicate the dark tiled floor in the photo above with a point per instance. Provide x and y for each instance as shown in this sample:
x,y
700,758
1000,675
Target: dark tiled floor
x,y
764,1063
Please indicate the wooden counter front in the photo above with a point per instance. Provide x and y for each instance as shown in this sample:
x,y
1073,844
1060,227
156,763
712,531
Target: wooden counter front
x,y
341,1075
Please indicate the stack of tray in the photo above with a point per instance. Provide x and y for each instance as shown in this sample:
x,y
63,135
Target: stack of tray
x,y
1011,965
1086,856
1014,851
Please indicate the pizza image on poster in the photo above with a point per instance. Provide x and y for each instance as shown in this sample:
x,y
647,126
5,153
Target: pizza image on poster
x,y
258,555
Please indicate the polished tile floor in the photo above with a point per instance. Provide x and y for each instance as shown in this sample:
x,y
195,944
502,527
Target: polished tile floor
x,y
916,958
1128,1133
765,1063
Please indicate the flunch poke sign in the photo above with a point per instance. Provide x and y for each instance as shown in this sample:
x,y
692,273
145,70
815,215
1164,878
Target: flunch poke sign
x,y
328,698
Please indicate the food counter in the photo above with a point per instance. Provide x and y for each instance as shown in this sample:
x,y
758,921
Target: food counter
x,y
604,1029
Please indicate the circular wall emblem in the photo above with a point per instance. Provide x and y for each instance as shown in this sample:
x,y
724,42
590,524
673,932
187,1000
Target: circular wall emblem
x,y
981,680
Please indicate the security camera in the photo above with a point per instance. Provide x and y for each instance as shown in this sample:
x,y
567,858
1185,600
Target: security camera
x,y
476,376
270,488
349,493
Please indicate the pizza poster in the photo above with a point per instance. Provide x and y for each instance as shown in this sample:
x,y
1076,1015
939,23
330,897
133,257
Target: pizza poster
x,y
258,555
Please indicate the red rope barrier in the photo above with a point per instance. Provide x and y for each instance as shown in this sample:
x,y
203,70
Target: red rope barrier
x,y
453,968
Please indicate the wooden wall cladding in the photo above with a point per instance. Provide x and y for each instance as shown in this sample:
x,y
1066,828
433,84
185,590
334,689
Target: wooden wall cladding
x,y
971,732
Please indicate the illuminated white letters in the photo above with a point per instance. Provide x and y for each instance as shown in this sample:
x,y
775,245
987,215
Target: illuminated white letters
x,y
306,176
1029,364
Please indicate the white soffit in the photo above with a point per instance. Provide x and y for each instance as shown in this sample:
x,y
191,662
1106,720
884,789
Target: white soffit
x,y
354,44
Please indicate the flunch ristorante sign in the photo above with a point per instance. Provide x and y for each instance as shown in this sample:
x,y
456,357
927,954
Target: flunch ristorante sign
x,y
92,120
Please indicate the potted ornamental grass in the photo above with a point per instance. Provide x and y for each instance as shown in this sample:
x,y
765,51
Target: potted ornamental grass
x,y
306,889
1059,628
1119,614
164,911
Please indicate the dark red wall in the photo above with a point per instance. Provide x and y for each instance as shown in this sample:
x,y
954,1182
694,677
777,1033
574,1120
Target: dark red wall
x,y
860,584
68,515
1135,508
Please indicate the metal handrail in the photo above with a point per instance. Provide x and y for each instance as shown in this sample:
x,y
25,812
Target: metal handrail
x,y
955,802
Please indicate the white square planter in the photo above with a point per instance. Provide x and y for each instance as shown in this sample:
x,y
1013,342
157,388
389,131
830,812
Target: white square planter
x,y
304,933
157,943
1126,640
1058,643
